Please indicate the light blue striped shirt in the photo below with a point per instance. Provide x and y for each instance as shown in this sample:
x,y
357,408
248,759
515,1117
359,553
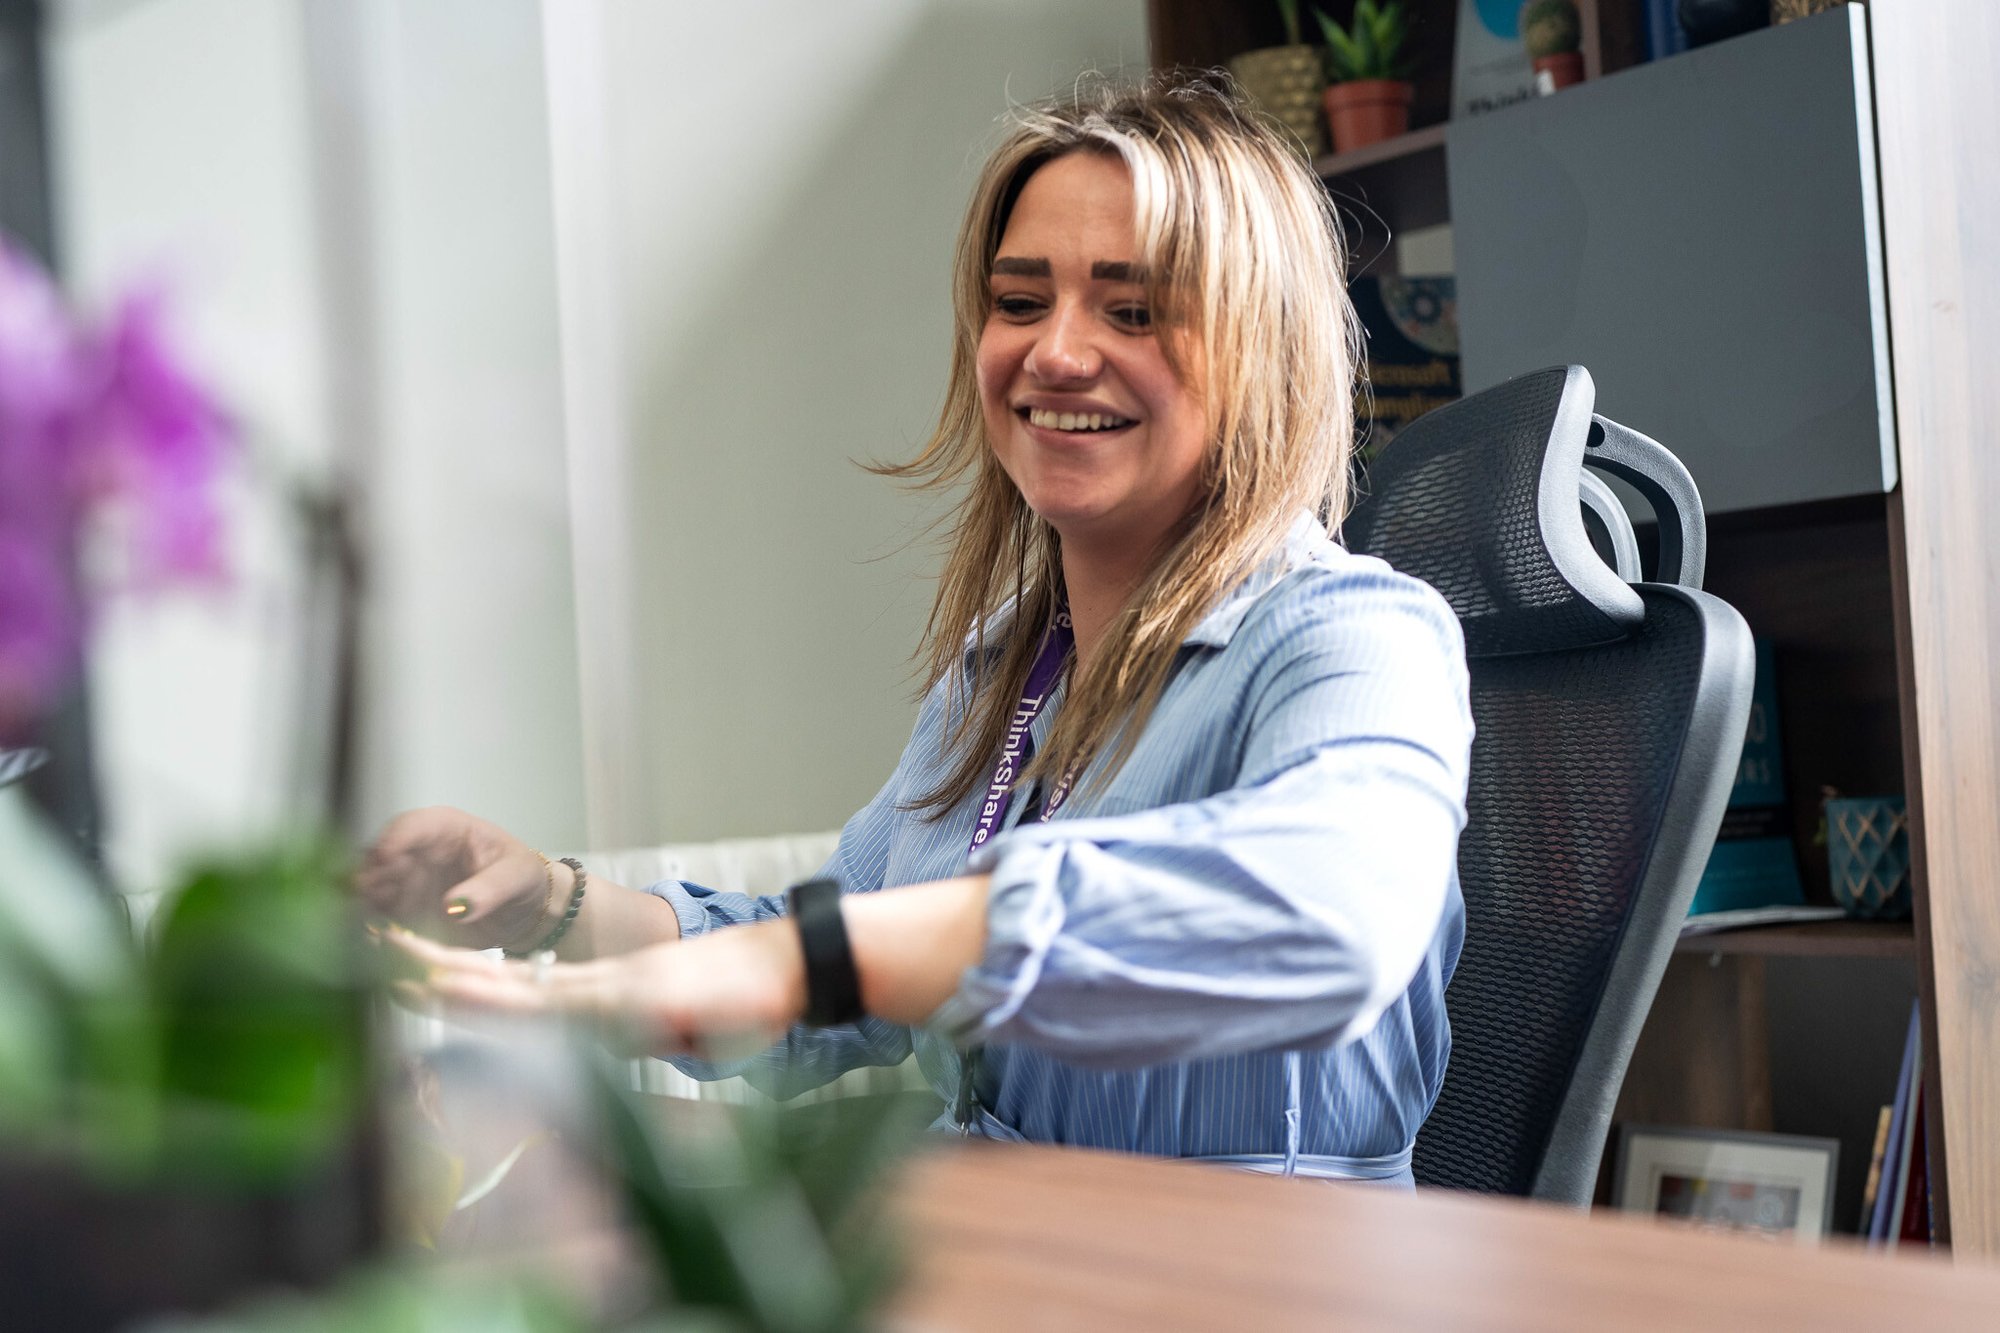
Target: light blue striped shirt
x,y
1237,948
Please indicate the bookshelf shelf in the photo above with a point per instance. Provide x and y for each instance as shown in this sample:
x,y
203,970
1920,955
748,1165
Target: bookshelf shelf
x,y
1813,939
1429,139
1398,183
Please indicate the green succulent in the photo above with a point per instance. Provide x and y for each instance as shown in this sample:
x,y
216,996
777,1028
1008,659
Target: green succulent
x,y
1373,49
1551,27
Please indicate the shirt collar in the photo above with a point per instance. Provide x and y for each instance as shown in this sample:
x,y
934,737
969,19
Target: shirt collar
x,y
1304,543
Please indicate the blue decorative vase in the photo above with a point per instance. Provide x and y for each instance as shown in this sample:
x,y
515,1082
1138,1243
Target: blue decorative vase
x,y
1868,854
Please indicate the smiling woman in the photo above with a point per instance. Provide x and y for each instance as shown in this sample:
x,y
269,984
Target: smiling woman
x,y
1168,864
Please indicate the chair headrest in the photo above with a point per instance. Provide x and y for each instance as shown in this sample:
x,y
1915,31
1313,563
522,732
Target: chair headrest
x,y
1481,499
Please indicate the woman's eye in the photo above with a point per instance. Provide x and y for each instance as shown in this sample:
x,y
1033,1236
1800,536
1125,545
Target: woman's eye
x,y
1133,316
1016,307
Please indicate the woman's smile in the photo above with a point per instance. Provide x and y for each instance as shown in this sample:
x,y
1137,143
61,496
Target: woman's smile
x,y
1056,422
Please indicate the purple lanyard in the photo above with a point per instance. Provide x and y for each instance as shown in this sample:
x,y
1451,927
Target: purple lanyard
x,y
1042,678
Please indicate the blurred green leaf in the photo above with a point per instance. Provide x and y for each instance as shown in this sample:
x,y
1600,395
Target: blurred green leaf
x,y
71,994
31,1048
772,1218
257,998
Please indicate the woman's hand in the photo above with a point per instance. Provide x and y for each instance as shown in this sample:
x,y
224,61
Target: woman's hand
x,y
450,875
730,993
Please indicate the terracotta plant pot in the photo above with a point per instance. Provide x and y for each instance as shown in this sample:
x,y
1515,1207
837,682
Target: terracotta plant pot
x,y
1367,111
1285,82
1558,71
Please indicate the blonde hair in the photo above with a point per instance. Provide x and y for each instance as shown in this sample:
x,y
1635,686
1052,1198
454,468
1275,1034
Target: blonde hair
x,y
1245,274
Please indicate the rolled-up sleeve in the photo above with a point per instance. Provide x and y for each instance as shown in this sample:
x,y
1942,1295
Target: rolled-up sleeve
x,y
1288,910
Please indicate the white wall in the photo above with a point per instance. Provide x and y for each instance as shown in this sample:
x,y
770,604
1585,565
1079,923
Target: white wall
x,y
747,292
780,189
180,155
353,197
472,697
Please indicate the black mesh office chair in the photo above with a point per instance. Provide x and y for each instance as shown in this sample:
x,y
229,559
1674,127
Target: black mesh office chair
x,y
1610,720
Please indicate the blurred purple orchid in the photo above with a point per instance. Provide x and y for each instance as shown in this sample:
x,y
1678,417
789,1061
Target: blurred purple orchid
x,y
98,423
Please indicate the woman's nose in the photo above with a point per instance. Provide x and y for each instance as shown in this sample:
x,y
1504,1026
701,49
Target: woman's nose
x,y
1063,352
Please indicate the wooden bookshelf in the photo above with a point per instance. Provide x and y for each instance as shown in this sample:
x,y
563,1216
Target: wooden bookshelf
x,y
1884,614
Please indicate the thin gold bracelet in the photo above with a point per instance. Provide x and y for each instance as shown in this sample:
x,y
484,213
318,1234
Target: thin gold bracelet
x,y
548,882
554,937
548,895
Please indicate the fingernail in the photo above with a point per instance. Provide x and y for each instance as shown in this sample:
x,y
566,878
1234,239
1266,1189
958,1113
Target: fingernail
x,y
458,907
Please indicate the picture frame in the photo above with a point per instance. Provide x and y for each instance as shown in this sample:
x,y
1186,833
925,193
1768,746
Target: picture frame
x,y
1777,1185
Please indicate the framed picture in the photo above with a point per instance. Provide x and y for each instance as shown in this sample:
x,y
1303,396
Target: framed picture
x,y
1777,1184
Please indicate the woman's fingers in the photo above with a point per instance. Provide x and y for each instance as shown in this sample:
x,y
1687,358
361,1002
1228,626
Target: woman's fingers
x,y
666,1000
430,953
601,992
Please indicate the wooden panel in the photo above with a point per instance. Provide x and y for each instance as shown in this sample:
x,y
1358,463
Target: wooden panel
x,y
1703,1058
1204,33
1613,36
1938,125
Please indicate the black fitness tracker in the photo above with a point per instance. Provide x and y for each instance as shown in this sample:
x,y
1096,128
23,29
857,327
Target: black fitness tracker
x,y
833,987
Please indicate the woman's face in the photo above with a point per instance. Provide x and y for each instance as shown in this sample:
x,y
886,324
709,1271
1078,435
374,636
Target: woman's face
x,y
1101,437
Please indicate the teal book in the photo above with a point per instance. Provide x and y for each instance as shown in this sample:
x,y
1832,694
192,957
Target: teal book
x,y
1754,863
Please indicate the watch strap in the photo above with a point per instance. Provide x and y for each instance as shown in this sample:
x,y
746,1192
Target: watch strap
x,y
833,987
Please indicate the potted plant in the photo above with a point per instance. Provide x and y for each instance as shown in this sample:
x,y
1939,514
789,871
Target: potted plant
x,y
185,1122
1368,93
1553,35
1284,81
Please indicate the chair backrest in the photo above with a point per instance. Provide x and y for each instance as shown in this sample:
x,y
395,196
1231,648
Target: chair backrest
x,y
1610,719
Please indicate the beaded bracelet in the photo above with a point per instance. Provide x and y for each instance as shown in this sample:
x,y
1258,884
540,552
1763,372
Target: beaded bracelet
x,y
554,937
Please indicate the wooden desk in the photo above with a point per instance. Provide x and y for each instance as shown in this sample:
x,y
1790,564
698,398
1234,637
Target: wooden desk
x,y
1008,1237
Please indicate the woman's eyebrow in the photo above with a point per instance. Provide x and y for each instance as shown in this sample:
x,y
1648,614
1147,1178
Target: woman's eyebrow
x,y
1104,270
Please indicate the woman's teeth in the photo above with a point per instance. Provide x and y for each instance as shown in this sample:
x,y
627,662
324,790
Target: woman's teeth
x,y
1074,420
